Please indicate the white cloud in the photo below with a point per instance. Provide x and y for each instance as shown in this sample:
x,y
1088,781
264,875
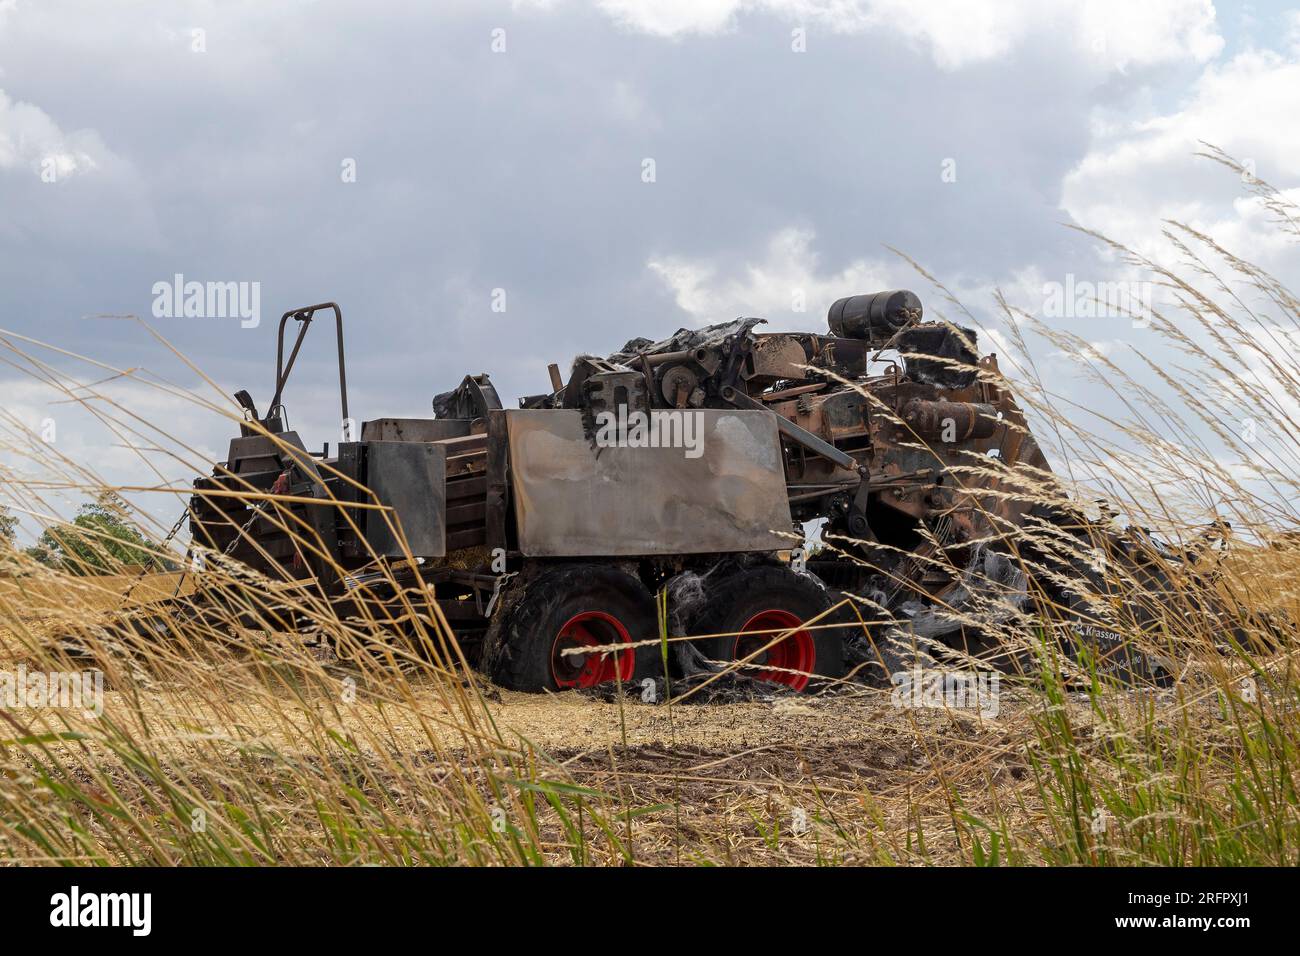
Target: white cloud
x,y
1142,171
788,272
30,138
672,17
40,425
1121,33
1109,34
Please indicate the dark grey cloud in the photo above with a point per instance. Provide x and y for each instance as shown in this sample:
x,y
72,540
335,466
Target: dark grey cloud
x,y
522,170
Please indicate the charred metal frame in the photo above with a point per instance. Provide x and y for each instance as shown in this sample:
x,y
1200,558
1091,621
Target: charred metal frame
x,y
305,316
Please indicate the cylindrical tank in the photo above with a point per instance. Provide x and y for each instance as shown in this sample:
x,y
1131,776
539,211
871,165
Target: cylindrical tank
x,y
951,421
874,315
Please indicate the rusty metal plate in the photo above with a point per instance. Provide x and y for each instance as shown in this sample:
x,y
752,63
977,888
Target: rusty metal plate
x,y
411,478
573,500
414,429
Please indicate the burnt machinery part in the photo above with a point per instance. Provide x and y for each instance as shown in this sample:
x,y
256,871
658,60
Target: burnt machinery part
x,y
950,421
473,398
874,316
939,354
793,432
274,420
568,608
759,614
520,507
677,380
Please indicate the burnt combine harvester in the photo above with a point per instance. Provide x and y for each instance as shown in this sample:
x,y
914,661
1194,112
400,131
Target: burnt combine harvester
x,y
691,464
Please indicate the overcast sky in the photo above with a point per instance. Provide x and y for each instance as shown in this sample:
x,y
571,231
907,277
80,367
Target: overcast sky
x,y
615,168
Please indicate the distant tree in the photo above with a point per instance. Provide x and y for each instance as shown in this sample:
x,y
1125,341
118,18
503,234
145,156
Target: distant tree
x,y
8,528
42,556
100,540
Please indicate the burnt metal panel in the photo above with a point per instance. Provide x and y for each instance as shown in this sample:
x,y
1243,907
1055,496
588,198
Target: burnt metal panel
x,y
254,453
573,499
411,478
497,489
779,357
414,429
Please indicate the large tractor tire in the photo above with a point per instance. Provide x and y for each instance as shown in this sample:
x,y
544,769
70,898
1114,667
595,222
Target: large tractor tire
x,y
569,607
1109,649
774,600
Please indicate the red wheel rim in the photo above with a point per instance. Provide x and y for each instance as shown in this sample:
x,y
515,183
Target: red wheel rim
x,y
795,653
591,629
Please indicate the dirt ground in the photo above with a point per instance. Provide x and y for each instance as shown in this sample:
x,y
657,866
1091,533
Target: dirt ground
x,y
759,782
797,778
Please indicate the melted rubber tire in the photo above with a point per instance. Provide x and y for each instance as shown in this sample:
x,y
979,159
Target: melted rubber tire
x,y
1110,651
738,599
519,650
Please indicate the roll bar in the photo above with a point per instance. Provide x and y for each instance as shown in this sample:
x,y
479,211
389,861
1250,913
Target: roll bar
x,y
282,370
